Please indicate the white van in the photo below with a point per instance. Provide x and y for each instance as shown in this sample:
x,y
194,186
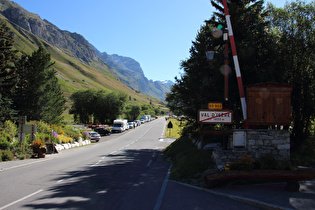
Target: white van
x,y
120,125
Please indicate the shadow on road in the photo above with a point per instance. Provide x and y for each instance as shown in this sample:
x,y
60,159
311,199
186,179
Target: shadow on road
x,y
118,181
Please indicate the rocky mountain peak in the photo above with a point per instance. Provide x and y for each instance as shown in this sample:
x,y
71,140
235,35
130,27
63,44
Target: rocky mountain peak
x,y
73,44
126,69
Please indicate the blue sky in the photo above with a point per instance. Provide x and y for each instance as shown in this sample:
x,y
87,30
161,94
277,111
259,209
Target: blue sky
x,y
157,34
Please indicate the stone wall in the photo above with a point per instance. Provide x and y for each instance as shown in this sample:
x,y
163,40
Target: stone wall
x,y
257,143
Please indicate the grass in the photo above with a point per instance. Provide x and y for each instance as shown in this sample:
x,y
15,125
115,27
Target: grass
x,y
176,130
189,163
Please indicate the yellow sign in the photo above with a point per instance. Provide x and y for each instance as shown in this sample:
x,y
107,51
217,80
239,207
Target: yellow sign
x,y
215,106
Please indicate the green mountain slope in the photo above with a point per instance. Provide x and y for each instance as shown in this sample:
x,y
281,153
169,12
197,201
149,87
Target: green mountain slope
x,y
77,64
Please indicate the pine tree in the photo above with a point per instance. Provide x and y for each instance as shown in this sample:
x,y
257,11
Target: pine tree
x,y
8,76
201,83
38,93
255,46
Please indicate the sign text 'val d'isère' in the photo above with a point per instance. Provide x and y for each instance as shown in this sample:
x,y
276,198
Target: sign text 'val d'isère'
x,y
211,116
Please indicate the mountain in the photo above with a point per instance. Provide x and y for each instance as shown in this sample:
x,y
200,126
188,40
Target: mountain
x,y
74,45
130,73
76,62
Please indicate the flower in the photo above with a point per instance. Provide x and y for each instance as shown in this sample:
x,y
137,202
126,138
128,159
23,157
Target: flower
x,y
86,133
37,144
55,134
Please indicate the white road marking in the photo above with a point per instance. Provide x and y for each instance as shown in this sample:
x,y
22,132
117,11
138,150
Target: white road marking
x,y
17,201
160,198
149,163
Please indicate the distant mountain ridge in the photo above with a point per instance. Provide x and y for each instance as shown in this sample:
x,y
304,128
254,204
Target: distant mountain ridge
x,y
126,69
131,73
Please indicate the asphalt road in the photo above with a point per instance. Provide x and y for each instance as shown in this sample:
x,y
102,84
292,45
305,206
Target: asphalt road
x,y
122,171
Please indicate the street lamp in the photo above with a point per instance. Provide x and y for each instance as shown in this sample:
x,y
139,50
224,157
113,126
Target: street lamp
x,y
210,53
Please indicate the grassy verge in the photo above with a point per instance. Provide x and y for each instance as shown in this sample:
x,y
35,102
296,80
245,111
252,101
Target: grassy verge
x,y
189,163
177,128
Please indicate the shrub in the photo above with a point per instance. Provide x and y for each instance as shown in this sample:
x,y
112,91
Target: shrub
x,y
71,131
10,129
4,143
306,156
57,128
42,127
22,153
269,162
77,137
245,163
65,139
55,134
186,159
43,137
85,135
7,155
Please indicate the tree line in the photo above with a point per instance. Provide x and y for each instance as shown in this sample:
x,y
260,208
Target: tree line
x,y
273,45
99,106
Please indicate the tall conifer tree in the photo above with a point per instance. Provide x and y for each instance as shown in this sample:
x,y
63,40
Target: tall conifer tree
x,y
38,95
8,76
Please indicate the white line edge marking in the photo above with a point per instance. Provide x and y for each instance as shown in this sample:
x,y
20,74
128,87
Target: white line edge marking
x,y
17,201
160,197
149,163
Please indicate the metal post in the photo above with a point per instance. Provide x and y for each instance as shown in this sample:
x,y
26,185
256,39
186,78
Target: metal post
x,y
235,59
226,65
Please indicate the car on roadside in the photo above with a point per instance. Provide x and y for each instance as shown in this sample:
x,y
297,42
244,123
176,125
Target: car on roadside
x,y
94,136
131,125
137,122
102,131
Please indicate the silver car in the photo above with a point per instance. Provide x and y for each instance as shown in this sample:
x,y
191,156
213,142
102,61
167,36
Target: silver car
x,y
94,136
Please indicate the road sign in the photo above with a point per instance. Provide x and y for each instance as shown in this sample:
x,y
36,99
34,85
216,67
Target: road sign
x,y
170,125
29,129
215,106
215,116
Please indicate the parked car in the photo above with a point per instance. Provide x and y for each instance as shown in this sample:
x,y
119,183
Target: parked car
x,y
102,131
131,125
94,136
137,122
